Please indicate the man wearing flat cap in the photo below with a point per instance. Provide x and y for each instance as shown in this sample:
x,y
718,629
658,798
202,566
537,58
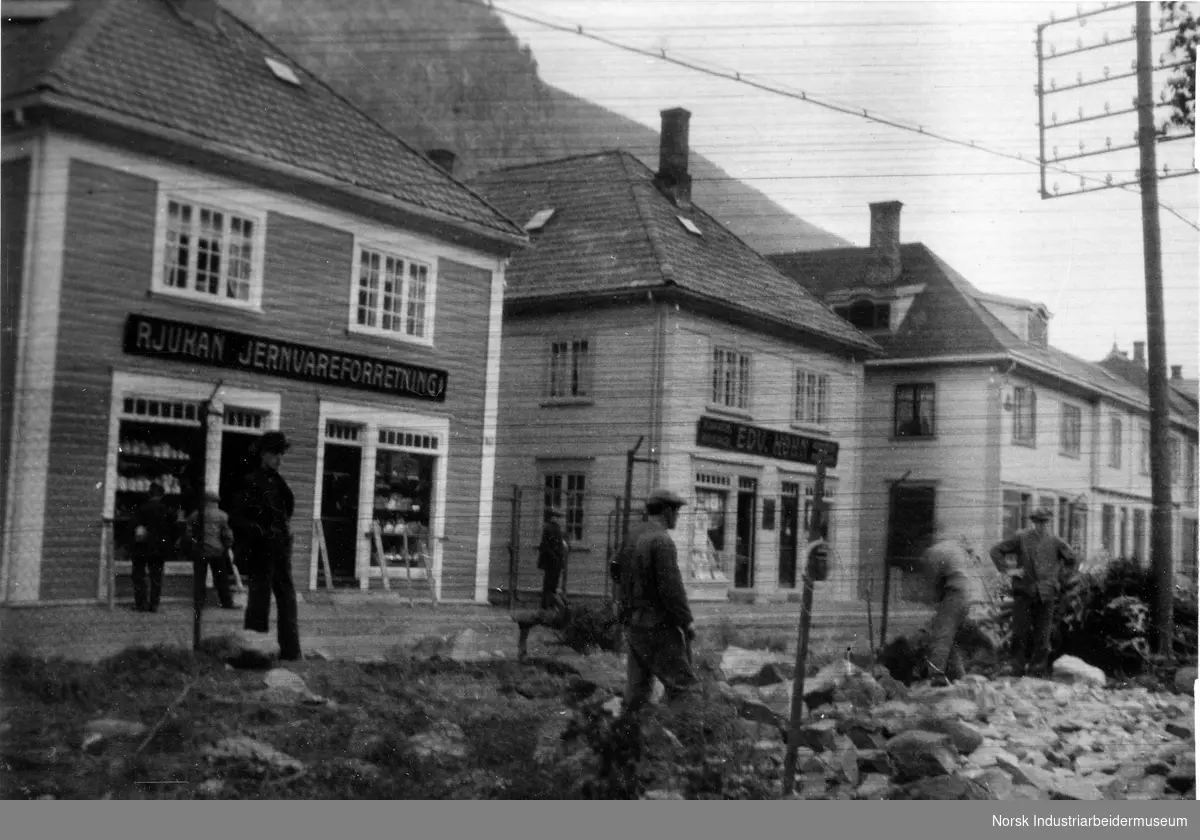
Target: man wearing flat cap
x,y
552,556
1044,562
654,606
260,519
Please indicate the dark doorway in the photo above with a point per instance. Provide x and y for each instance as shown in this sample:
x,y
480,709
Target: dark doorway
x,y
910,529
789,526
339,509
747,513
237,462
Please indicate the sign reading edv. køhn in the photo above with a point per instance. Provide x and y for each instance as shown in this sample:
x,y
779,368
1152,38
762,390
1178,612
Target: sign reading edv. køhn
x,y
163,339
753,440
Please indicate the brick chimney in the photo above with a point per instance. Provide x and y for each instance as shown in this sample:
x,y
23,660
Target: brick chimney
x,y
1139,353
442,158
1177,371
672,177
884,266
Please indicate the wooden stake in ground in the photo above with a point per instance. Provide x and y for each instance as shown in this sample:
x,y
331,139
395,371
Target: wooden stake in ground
x,y
814,534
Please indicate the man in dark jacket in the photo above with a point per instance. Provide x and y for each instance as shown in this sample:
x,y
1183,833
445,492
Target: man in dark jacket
x,y
260,518
153,538
552,557
1043,563
654,606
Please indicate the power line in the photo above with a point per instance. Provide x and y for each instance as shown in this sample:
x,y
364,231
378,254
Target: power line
x,y
803,96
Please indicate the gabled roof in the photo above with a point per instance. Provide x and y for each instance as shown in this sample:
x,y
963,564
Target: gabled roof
x,y
614,231
141,61
1117,363
948,319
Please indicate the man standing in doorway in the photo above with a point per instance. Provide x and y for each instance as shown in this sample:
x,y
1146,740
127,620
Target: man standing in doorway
x,y
1043,561
654,606
552,557
153,537
261,524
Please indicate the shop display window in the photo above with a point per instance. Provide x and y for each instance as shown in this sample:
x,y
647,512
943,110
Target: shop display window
x,y
403,499
159,441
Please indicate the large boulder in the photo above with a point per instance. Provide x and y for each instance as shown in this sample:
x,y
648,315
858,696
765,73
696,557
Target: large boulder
x,y
951,786
740,663
1185,679
917,754
965,738
244,748
1075,670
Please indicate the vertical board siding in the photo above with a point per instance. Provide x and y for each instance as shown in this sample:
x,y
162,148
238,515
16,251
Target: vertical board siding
x,y
13,231
108,260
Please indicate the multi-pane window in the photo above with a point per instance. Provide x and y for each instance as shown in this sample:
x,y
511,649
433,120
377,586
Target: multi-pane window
x,y
209,252
731,378
812,398
566,492
1173,458
914,410
1024,415
1107,524
1071,430
1115,441
570,369
392,295
1144,450
1189,475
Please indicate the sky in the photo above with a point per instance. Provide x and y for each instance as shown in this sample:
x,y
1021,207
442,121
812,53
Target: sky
x,y
966,71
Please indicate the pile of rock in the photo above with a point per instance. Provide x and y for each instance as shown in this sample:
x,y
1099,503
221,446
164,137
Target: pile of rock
x,y
867,737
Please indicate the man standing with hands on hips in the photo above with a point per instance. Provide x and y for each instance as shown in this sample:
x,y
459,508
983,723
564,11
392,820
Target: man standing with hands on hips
x,y
1043,562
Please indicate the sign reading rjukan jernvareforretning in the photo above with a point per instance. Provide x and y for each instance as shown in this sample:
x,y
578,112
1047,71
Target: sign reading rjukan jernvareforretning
x,y
165,339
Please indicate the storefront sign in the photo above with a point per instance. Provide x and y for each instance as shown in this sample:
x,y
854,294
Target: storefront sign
x,y
753,440
163,339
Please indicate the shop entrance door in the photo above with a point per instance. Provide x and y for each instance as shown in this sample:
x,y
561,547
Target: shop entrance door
x,y
747,509
339,509
789,526
237,461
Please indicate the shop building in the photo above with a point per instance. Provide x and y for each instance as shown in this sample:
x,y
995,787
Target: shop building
x,y
985,420
203,242
635,315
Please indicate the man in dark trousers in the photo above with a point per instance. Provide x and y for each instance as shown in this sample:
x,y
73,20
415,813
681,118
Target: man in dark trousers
x,y
946,564
654,607
552,557
153,537
260,519
1043,562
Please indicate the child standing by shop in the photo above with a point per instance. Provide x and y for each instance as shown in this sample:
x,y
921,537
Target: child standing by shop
x,y
211,551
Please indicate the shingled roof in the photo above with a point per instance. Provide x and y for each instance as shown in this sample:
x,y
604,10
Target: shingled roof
x,y
142,60
948,319
614,231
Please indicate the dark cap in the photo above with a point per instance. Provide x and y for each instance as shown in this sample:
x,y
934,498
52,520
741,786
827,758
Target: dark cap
x,y
273,442
661,497
1042,514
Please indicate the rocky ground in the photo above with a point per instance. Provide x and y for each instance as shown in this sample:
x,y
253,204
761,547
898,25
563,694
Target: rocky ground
x,y
450,719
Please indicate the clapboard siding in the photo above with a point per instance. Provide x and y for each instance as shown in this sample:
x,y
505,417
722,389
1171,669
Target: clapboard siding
x,y
12,250
108,261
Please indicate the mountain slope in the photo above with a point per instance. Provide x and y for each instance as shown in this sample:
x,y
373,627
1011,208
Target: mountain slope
x,y
450,75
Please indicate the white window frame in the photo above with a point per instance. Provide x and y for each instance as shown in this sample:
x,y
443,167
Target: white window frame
x,y
572,365
1029,437
1143,448
802,414
1116,443
1064,444
371,418
743,380
408,257
268,403
258,240
571,500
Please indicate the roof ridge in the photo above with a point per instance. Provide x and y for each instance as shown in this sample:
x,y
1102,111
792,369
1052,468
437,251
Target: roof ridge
x,y
531,164
980,311
651,237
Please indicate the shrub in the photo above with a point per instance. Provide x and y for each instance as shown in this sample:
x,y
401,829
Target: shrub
x,y
591,626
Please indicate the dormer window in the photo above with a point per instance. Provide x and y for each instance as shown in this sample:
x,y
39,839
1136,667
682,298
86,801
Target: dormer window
x,y
1038,330
866,314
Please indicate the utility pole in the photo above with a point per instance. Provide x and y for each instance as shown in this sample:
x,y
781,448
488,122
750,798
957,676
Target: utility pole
x,y
1147,140
1160,405
199,565
631,458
